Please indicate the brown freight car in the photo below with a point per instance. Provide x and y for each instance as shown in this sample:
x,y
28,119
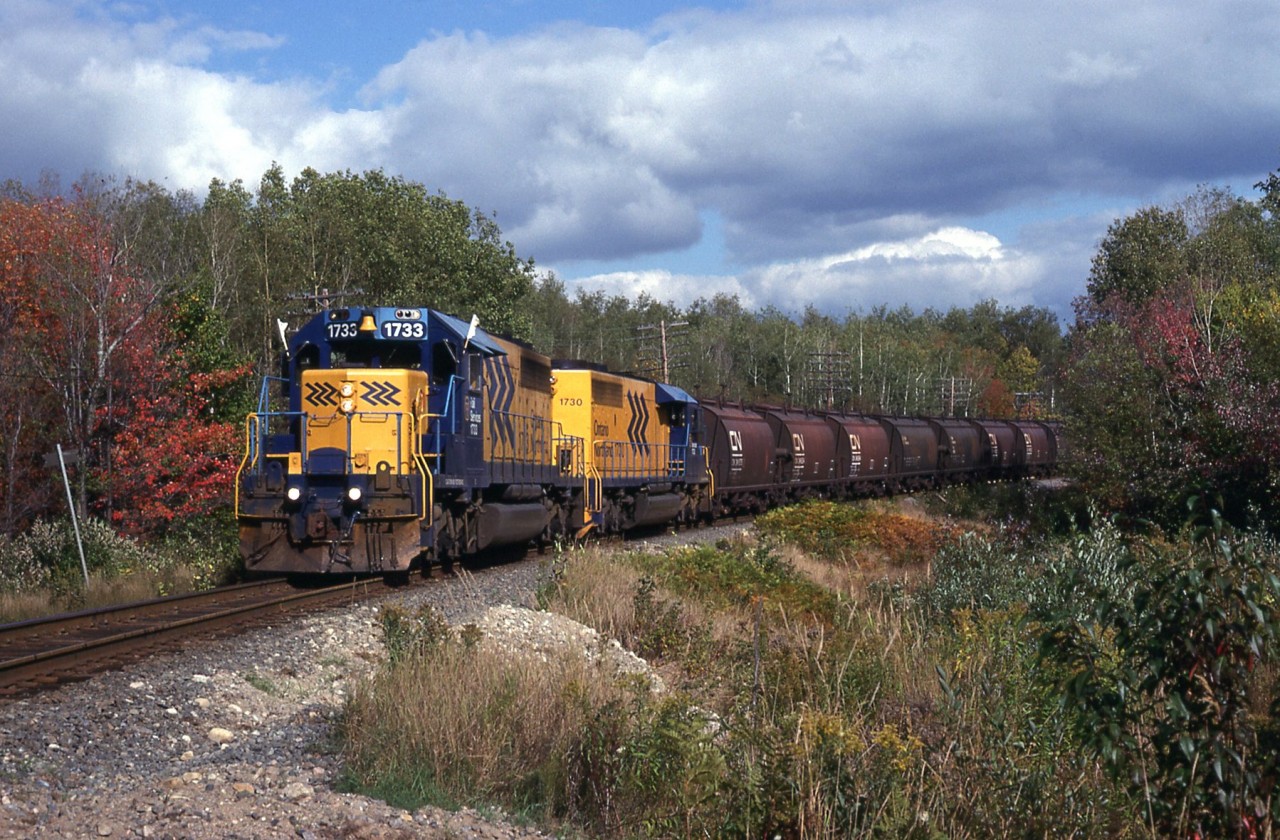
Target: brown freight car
x,y
862,453
806,450
742,457
913,452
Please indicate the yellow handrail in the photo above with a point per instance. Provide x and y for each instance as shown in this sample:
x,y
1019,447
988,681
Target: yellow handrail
x,y
248,422
594,500
428,478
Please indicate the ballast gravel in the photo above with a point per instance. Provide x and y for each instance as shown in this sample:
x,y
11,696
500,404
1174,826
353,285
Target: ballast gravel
x,y
233,738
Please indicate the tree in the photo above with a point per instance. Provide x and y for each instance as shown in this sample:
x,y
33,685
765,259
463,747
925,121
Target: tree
x,y
1171,380
174,458
26,489
83,306
1139,256
375,239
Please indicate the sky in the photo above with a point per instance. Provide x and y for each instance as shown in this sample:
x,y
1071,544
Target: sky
x,y
796,153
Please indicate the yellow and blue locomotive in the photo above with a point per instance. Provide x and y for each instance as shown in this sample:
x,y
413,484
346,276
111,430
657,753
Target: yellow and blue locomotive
x,y
408,435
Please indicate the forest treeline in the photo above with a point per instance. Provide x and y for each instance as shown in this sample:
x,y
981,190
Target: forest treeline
x,y
138,321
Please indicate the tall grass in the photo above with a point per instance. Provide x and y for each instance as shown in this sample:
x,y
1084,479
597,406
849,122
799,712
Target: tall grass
x,y
883,692
471,724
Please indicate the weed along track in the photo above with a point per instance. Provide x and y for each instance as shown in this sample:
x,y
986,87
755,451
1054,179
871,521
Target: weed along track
x,y
233,736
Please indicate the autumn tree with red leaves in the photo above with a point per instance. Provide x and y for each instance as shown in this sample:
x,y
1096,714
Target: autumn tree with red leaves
x,y
1175,359
84,319
25,488
96,357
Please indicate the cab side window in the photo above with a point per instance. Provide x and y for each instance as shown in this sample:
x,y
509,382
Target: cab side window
x,y
444,363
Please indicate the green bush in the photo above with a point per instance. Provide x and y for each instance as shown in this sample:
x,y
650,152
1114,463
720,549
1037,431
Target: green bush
x,y
1169,682
1032,509
733,574
977,572
208,546
412,634
46,556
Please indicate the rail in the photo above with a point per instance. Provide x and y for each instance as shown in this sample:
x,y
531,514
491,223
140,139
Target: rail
x,y
45,651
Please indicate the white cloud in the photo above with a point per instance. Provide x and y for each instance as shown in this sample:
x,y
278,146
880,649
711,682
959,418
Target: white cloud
x,y
808,127
952,266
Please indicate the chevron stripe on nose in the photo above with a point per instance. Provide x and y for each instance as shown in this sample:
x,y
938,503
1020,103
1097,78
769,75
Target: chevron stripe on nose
x,y
322,393
381,393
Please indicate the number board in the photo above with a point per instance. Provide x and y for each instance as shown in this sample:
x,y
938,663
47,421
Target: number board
x,y
343,329
412,330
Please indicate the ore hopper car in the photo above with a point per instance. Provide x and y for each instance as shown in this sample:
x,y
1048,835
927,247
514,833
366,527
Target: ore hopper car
x,y
742,458
913,453
805,446
962,450
1036,451
1001,449
862,454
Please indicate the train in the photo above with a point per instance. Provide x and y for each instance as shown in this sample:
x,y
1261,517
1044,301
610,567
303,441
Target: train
x,y
398,437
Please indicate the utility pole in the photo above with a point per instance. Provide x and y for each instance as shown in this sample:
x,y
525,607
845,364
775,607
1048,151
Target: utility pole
x,y
827,378
666,334
323,298
955,391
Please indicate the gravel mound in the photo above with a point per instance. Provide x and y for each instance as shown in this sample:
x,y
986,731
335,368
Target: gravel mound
x,y
232,738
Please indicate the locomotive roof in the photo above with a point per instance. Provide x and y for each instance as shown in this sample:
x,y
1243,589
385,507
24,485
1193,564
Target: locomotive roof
x,y
460,329
439,325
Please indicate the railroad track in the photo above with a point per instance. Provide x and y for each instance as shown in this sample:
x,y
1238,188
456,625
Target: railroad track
x,y
43,652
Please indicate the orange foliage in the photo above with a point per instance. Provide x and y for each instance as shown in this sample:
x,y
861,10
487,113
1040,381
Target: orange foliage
x,y
840,531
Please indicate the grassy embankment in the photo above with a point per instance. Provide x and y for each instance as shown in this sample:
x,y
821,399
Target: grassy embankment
x,y
856,671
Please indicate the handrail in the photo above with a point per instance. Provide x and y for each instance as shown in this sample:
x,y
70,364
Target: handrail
x,y
264,393
248,422
445,412
428,478
428,490
594,500
626,459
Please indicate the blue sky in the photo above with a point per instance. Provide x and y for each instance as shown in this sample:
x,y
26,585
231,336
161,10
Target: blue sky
x,y
843,155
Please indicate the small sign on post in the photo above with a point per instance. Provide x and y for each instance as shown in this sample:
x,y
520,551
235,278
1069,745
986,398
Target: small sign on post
x,y
70,457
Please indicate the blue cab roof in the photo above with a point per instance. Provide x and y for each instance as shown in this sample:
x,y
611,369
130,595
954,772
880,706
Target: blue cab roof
x,y
342,325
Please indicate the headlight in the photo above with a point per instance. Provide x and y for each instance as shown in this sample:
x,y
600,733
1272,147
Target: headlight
x,y
347,406
294,493
354,494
